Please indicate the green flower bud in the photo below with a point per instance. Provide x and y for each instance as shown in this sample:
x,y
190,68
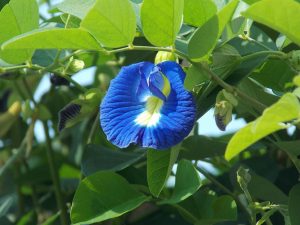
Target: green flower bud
x,y
162,56
226,96
76,65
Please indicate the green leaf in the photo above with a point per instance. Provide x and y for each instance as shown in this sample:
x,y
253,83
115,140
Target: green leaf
x,y
201,147
26,218
207,208
286,21
205,37
263,189
292,150
111,22
225,208
102,196
204,40
183,189
70,21
76,8
287,108
274,74
294,205
44,113
20,16
197,12
50,38
3,3
250,2
161,20
159,166
226,14
194,78
96,158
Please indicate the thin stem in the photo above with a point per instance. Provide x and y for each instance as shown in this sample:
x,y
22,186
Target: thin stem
x,y
29,91
53,170
261,53
33,189
96,121
225,190
139,48
55,177
216,182
258,105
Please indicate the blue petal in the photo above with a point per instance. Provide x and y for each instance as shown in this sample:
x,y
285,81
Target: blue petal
x,y
126,100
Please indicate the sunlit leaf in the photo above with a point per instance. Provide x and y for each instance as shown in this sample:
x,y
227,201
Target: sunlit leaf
x,y
286,109
286,21
161,20
205,37
52,38
197,12
111,22
20,16
77,8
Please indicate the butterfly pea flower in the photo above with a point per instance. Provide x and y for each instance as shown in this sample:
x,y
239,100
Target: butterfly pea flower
x,y
147,105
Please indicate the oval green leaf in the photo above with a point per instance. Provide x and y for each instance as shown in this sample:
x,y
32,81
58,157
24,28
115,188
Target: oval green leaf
x,y
161,20
102,196
159,166
294,205
197,12
96,158
53,38
18,17
205,37
282,16
183,189
111,22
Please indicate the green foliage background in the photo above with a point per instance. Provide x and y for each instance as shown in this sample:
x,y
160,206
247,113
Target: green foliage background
x,y
241,57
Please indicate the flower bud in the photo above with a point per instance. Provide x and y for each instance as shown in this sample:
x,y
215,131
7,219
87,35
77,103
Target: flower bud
x,y
76,65
162,56
223,114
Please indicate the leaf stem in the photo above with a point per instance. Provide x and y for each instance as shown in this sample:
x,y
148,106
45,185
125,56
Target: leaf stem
x,y
279,54
96,121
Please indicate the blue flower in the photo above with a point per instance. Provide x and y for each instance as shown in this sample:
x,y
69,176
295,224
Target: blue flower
x,y
146,104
